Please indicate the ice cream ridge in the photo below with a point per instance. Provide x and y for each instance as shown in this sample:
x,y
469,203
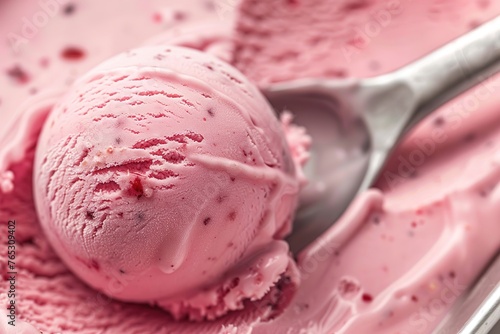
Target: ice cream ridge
x,y
163,176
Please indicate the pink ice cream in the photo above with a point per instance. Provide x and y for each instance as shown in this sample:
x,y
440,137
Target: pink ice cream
x,y
164,176
396,262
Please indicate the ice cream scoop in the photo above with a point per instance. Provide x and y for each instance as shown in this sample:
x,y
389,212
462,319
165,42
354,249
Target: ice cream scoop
x,y
163,176
368,117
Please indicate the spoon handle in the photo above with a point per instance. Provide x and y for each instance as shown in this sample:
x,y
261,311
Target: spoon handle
x,y
396,102
449,71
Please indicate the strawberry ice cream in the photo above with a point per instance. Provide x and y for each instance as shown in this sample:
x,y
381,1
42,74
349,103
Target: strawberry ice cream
x,y
163,176
396,262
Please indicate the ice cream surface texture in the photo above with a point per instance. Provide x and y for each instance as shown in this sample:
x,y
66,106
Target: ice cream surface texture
x,y
164,176
395,263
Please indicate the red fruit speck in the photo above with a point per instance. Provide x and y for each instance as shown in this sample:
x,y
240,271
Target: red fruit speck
x,y
69,9
89,215
94,265
420,212
414,298
439,121
18,74
136,188
72,53
413,224
355,5
232,216
157,17
194,136
367,298
179,16
234,282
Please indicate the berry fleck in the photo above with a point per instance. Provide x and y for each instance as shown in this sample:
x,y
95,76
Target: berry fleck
x,y
72,53
136,188
232,216
18,74
354,5
439,121
194,136
206,221
69,9
157,18
234,283
94,265
366,297
89,215
179,16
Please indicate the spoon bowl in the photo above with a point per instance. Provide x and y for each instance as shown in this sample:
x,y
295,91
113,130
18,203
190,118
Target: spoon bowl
x,y
338,160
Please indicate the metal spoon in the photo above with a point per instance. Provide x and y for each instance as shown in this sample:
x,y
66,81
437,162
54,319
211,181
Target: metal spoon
x,y
355,123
